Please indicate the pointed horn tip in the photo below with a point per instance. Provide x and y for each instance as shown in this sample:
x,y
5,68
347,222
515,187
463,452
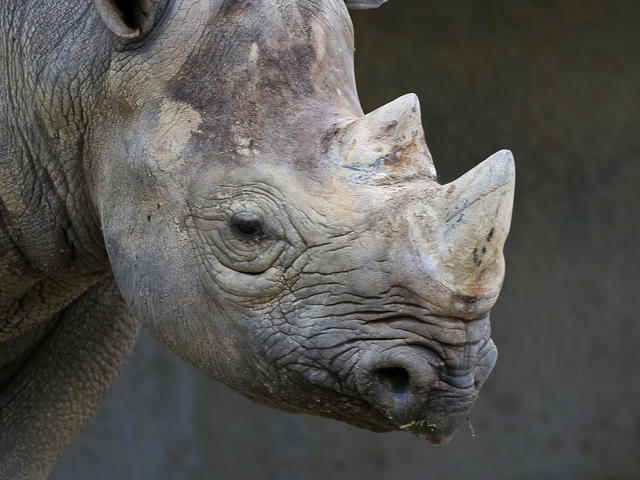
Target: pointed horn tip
x,y
408,103
498,169
501,166
410,97
504,158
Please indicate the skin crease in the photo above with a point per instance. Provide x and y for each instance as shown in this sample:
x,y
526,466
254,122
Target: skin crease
x,y
191,177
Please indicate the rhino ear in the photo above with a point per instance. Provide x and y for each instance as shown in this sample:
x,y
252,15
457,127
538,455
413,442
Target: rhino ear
x,y
126,18
364,4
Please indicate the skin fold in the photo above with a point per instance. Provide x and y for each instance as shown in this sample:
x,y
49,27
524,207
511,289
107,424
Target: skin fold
x,y
204,168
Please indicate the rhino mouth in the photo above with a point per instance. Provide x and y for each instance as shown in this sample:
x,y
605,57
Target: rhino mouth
x,y
434,418
415,391
410,378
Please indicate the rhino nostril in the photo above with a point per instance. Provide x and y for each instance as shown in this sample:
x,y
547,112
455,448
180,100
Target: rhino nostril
x,y
394,379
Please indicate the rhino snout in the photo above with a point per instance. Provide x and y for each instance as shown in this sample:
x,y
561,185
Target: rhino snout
x,y
416,392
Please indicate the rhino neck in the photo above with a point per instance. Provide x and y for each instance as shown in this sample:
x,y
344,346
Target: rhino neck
x,y
50,237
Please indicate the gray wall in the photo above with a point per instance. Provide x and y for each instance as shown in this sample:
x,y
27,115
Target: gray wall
x,y
558,82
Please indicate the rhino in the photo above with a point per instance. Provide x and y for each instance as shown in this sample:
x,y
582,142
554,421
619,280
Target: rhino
x,y
204,169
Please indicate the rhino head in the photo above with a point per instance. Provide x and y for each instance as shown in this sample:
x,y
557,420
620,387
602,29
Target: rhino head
x,y
265,230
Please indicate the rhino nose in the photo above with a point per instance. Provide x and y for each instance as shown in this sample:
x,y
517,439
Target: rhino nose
x,y
411,388
395,380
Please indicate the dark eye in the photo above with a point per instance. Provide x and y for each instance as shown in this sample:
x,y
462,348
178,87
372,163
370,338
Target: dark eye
x,y
247,225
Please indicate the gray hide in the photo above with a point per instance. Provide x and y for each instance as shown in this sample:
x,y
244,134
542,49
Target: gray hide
x,y
203,167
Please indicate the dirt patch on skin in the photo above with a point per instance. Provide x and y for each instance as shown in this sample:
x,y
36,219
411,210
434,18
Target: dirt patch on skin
x,y
177,122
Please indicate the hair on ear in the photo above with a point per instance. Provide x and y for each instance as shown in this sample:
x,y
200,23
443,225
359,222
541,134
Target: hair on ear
x,y
126,18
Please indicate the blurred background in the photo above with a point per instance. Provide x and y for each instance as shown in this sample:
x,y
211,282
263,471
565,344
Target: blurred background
x,y
557,82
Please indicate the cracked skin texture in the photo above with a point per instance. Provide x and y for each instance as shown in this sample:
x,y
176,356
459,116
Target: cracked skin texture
x,y
188,176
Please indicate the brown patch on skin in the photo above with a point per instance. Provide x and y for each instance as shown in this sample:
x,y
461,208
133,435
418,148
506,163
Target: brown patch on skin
x,y
405,156
404,162
331,200
177,122
152,201
477,290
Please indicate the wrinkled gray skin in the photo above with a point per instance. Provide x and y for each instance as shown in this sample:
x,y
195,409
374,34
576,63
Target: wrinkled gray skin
x,y
203,167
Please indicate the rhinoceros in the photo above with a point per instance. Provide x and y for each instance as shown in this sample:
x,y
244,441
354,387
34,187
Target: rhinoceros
x,y
203,168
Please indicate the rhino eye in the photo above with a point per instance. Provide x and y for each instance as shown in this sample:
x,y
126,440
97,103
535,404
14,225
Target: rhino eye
x,y
247,225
